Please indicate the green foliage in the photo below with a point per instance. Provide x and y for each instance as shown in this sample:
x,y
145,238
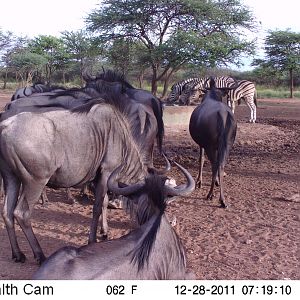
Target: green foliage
x,y
283,50
176,32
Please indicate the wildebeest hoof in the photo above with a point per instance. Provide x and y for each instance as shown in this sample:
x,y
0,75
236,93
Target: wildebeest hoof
x,y
116,204
20,257
103,237
209,196
223,205
40,259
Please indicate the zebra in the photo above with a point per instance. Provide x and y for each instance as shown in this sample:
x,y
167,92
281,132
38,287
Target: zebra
x,y
194,90
245,90
178,87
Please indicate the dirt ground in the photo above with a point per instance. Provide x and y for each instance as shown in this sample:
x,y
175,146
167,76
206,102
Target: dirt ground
x,y
257,237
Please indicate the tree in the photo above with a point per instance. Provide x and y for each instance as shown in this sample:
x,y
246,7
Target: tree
x,y
282,49
176,32
81,48
9,45
26,64
53,50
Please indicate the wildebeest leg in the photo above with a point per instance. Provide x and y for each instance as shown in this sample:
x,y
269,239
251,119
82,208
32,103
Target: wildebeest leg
x,y
12,187
44,197
201,163
213,180
100,192
221,176
103,218
29,195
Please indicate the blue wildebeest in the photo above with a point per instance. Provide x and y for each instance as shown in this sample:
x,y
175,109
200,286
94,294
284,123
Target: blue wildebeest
x,y
144,111
147,109
65,149
152,251
213,127
116,81
36,88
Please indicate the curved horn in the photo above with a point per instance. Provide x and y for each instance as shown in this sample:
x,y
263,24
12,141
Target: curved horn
x,y
126,190
183,189
163,171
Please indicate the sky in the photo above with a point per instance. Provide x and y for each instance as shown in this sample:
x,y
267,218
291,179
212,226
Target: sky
x,y
38,17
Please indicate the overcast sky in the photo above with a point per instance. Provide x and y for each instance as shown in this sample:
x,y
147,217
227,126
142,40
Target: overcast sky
x,y
38,17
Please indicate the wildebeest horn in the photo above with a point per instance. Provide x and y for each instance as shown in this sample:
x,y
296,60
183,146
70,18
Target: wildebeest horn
x,y
165,170
87,76
126,190
183,189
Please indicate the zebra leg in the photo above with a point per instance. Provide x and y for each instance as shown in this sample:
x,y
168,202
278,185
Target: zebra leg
x,y
250,103
232,106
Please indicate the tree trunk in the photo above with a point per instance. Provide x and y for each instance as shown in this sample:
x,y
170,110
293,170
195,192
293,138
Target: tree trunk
x,y
141,79
166,83
5,79
291,83
154,81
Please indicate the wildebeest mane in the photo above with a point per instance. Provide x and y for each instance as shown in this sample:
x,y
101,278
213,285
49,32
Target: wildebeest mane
x,y
113,76
122,104
73,92
153,204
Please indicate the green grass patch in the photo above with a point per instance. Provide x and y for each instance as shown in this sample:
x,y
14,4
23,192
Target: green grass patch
x,y
275,93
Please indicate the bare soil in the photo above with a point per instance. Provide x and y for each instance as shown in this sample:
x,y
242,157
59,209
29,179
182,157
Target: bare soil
x,y
257,237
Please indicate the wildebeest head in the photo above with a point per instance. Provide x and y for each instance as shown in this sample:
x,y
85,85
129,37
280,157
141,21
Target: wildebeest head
x,y
150,197
109,79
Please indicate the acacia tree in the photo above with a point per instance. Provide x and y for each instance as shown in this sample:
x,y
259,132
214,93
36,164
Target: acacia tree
x,y
282,50
176,32
53,50
81,48
26,64
9,46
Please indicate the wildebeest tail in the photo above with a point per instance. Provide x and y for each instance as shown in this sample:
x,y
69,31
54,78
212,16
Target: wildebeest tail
x,y
224,131
158,112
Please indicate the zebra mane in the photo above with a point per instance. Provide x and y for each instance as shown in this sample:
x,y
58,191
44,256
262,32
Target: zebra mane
x,y
152,205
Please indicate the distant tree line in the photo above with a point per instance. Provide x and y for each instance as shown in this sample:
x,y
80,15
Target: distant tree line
x,y
158,41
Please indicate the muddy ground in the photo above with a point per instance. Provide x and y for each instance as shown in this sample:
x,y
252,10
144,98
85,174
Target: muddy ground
x,y
257,237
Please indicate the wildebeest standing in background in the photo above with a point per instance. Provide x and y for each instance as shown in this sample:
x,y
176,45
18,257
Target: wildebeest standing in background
x,y
152,251
213,127
36,88
119,84
64,149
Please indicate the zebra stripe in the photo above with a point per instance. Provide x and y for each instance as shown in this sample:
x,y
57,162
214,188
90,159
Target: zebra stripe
x,y
246,90
192,92
178,87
